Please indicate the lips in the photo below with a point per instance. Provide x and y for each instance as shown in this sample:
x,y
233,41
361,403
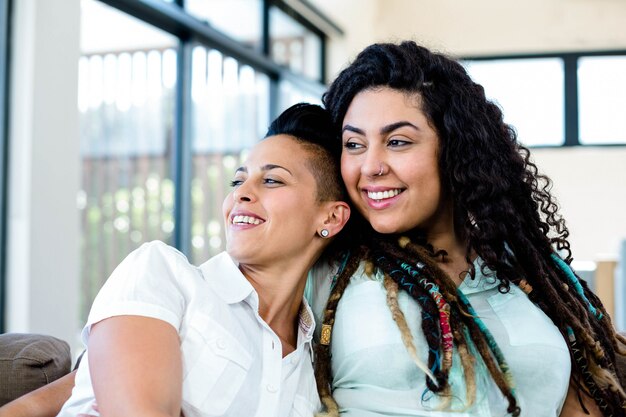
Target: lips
x,y
383,195
245,219
380,198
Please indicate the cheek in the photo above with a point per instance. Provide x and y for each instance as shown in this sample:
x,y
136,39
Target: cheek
x,y
349,170
227,205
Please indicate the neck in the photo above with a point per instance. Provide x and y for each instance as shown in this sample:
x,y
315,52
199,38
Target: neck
x,y
443,236
280,288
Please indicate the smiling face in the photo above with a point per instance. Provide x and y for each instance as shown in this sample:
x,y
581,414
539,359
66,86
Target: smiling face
x,y
273,212
389,162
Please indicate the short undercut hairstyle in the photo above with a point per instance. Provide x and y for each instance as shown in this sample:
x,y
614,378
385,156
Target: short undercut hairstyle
x,y
311,126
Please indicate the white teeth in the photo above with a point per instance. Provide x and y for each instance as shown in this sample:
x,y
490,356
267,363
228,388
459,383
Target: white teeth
x,y
381,195
246,220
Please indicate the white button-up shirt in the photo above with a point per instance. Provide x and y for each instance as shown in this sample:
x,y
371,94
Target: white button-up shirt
x,y
232,360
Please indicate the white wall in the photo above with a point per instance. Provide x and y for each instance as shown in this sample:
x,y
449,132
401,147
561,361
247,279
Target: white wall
x,y
480,27
42,250
590,186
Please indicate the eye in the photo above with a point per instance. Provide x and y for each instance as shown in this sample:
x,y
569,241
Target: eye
x,y
272,181
397,142
236,183
353,145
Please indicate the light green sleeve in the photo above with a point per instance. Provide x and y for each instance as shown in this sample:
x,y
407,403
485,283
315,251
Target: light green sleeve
x,y
317,291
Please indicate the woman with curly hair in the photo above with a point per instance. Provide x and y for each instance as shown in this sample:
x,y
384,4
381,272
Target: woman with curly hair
x,y
466,250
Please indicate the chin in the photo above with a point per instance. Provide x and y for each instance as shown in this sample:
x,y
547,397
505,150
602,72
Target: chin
x,y
385,227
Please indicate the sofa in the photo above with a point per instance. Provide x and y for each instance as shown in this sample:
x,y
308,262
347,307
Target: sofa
x,y
30,361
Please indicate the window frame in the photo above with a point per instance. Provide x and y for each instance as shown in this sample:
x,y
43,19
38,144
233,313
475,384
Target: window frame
x,y
570,77
5,43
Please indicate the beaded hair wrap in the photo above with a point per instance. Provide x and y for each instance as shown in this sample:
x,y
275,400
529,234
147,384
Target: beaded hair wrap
x,y
491,341
444,312
327,328
465,320
579,359
430,313
576,283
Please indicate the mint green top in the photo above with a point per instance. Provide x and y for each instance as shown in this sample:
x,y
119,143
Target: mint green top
x,y
373,375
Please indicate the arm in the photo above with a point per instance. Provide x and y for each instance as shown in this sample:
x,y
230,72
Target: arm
x,y
43,402
572,408
136,367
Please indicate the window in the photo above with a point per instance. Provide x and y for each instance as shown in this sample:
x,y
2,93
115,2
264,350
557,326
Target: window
x,y
558,99
530,94
230,113
240,19
602,99
168,113
126,102
294,45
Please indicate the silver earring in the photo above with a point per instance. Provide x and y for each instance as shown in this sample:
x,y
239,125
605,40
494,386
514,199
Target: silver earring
x,y
324,233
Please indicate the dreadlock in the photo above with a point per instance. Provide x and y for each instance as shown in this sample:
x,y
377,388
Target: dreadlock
x,y
503,209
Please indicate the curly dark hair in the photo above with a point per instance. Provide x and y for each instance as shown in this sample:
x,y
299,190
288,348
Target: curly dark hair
x,y
503,209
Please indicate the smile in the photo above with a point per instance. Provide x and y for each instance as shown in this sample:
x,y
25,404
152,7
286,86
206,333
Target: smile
x,y
383,195
246,220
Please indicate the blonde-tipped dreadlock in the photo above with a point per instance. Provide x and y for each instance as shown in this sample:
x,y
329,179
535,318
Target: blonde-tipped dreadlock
x,y
398,316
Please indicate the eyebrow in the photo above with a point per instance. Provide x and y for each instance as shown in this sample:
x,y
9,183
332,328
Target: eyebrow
x,y
266,167
383,130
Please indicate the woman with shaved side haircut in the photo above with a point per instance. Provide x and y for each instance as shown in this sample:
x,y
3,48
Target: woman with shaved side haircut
x,y
233,336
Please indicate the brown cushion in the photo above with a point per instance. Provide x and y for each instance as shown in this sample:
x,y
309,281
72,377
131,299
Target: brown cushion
x,y
30,361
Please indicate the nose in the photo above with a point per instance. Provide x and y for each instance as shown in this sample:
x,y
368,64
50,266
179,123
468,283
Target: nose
x,y
373,162
244,193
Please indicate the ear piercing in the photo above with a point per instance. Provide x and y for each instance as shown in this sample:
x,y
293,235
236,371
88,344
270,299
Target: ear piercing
x,y
324,233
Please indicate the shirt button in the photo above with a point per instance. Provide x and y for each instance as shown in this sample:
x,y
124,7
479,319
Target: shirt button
x,y
271,388
221,344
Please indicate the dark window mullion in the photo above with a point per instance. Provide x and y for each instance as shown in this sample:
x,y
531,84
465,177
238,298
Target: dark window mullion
x,y
323,43
274,97
265,24
182,160
570,76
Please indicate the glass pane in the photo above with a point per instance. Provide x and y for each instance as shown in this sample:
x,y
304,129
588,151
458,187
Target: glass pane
x,y
126,103
602,99
294,46
530,93
290,94
242,20
230,114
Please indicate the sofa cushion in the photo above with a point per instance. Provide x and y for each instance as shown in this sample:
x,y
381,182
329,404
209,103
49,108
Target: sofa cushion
x,y
30,361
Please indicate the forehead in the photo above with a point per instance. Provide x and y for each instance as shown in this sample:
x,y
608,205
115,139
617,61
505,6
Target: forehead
x,y
283,150
383,104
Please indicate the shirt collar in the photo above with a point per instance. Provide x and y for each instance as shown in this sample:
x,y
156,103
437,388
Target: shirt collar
x,y
231,286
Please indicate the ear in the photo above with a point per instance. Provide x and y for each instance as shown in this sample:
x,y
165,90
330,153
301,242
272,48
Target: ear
x,y
335,217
